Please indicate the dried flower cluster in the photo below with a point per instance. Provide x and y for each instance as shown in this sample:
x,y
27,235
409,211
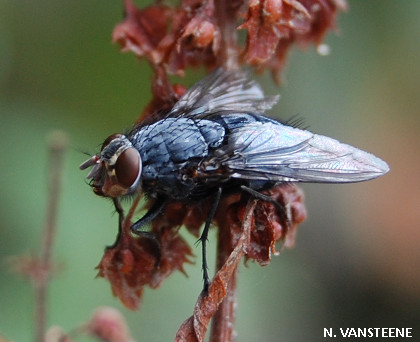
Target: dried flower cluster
x,y
132,263
205,33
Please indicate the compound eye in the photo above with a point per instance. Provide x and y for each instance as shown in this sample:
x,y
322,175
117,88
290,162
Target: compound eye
x,y
128,167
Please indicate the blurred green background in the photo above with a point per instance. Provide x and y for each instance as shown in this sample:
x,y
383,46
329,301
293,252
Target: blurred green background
x,y
356,262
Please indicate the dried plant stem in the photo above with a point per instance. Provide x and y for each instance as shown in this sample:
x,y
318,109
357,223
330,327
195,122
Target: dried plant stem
x,y
228,57
57,143
223,323
207,306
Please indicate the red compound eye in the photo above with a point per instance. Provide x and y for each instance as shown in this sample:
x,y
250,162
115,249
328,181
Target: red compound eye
x,y
127,167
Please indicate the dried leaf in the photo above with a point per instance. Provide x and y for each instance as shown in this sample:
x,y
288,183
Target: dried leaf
x,y
142,30
165,95
274,25
269,22
172,38
194,38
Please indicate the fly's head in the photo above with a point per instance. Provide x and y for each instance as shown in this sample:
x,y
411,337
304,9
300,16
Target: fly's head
x,y
116,170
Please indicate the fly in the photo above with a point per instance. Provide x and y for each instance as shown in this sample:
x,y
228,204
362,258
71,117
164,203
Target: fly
x,y
217,139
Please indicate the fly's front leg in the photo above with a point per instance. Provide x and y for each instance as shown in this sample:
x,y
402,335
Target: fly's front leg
x,y
120,212
151,214
203,239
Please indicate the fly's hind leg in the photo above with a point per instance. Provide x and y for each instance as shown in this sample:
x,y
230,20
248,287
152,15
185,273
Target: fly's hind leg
x,y
203,240
151,214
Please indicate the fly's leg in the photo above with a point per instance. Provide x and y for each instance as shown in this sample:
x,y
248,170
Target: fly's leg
x,y
120,211
151,214
280,208
203,239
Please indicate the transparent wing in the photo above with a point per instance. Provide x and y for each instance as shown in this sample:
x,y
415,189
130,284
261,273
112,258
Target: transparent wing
x,y
272,151
223,91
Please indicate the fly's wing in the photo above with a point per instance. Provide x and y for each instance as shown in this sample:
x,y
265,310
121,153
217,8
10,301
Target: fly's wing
x,y
223,91
272,151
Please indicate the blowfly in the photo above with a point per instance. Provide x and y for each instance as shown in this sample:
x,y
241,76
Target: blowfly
x,y
216,140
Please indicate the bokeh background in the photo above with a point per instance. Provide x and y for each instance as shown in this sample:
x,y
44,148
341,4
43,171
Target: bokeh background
x,y
356,261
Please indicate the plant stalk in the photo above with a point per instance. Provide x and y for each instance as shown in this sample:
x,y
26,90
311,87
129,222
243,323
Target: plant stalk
x,y
57,144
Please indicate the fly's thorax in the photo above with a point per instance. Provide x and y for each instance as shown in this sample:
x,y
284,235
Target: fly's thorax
x,y
116,170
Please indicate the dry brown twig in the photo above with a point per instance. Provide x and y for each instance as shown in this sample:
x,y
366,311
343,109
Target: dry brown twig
x,y
40,269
